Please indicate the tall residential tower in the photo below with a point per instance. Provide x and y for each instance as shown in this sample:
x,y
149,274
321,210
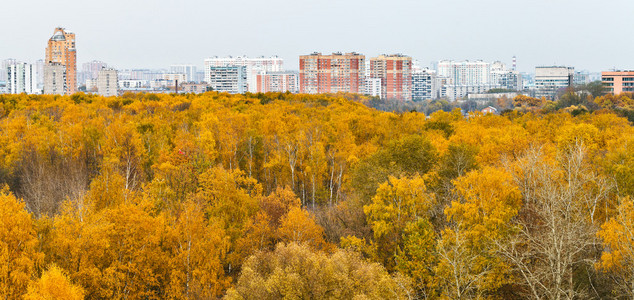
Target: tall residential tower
x,y
395,72
61,52
332,73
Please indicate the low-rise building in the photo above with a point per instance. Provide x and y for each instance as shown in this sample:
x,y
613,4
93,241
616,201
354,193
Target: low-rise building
x,y
193,87
550,79
616,82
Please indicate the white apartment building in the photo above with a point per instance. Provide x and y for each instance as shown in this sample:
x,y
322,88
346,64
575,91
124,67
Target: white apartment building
x,y
253,67
506,78
465,77
550,79
423,84
230,79
373,87
22,78
107,82
4,65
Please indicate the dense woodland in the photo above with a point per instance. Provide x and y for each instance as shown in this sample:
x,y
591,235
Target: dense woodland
x,y
270,196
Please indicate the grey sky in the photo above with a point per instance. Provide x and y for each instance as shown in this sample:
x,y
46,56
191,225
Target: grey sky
x,y
586,34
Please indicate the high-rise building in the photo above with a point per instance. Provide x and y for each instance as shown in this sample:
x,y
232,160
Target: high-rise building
x,y
465,77
423,84
395,72
253,66
22,78
616,82
61,50
332,73
188,70
107,82
550,79
287,81
55,79
230,79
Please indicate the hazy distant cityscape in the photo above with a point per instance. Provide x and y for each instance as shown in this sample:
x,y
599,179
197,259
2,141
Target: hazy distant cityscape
x,y
390,77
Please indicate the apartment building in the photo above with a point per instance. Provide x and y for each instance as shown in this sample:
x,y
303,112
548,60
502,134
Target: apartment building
x,y
395,72
616,82
21,78
333,73
61,51
287,81
253,66
230,79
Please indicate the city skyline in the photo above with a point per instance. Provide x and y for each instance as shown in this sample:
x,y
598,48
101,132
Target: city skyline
x,y
537,32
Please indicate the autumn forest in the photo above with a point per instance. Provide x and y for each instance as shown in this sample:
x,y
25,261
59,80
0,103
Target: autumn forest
x,y
282,196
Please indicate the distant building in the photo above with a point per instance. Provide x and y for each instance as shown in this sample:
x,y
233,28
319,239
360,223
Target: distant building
x,y
616,82
90,70
91,85
55,79
133,84
487,97
141,74
22,78
193,87
465,77
395,72
581,78
287,81
253,66
181,77
550,79
490,110
107,83
39,74
188,70
231,79
423,84
61,50
4,66
332,73
373,87
504,78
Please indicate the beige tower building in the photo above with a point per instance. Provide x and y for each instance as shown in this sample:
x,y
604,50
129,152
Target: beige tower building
x,y
107,82
61,52
55,79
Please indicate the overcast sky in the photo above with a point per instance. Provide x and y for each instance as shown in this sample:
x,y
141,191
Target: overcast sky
x,y
587,34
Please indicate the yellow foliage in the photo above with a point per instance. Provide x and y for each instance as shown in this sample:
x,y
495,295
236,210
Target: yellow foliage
x,y
54,284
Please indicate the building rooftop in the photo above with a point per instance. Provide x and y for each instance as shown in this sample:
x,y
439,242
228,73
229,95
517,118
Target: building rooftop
x,y
58,36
